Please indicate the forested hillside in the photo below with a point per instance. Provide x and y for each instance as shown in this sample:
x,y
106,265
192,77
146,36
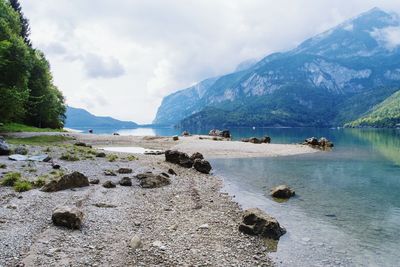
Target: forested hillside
x,y
27,92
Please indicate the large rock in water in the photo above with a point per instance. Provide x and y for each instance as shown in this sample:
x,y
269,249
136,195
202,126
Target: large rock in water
x,y
150,180
68,181
202,166
282,191
257,222
4,148
70,217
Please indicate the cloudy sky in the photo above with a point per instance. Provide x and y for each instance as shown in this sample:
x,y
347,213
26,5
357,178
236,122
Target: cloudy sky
x,y
120,58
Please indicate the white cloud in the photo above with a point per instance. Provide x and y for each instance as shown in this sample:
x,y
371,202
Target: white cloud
x,y
388,37
141,50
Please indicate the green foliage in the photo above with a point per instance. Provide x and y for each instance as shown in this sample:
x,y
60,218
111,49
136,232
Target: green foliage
x,y
17,127
22,186
384,115
27,92
131,158
40,140
3,166
10,178
112,157
40,181
68,156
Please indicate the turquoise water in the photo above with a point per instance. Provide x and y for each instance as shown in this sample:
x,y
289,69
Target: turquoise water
x,y
347,208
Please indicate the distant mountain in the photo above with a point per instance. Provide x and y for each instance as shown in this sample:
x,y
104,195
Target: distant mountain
x,y
328,80
80,118
383,115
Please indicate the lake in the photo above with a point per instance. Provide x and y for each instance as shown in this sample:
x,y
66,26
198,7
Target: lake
x,y
347,206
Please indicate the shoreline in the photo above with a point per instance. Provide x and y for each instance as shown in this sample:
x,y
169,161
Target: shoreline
x,y
171,215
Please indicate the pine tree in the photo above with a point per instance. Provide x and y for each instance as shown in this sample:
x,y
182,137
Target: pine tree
x,y
25,28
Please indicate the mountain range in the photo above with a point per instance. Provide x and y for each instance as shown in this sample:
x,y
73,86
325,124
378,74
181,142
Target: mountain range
x,y
78,118
331,79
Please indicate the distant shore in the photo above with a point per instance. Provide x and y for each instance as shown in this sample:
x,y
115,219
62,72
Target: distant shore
x,y
195,222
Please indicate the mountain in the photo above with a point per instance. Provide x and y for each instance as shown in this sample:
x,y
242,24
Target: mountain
x,y
80,118
385,114
322,82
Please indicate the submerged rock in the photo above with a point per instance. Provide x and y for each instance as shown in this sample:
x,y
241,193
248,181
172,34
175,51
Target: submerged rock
x,y
70,217
257,222
68,181
202,166
282,191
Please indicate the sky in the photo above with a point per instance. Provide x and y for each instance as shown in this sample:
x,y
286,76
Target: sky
x,y
120,58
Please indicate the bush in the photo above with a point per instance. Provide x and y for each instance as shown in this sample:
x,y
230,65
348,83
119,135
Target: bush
x,y
112,157
22,186
69,157
131,158
10,178
3,166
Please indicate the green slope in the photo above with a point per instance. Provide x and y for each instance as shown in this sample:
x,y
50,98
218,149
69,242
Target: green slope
x,y
385,114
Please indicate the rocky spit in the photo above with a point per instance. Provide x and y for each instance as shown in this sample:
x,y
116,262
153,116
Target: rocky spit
x,y
186,223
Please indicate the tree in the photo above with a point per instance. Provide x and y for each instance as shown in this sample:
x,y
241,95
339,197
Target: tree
x,y
25,28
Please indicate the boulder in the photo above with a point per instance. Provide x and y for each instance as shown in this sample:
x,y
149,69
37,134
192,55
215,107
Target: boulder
x,y
124,170
225,134
257,222
266,140
175,138
323,142
150,180
109,184
185,133
180,158
4,148
101,155
68,181
171,171
282,191
202,166
196,155
214,132
126,181
21,150
312,141
254,140
70,217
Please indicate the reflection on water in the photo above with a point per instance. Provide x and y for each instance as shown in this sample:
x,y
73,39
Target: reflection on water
x,y
347,208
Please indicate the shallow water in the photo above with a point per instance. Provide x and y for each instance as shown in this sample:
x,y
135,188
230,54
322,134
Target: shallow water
x,y
347,208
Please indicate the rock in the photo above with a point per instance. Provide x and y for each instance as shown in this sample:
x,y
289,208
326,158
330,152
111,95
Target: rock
x,y
70,217
204,226
4,148
323,142
312,141
180,158
254,140
282,191
55,166
136,242
101,155
175,138
196,155
165,174
149,180
124,170
256,222
17,157
266,140
185,133
82,144
246,140
202,166
225,134
40,158
126,181
171,171
21,150
115,133
68,181
159,244
94,181
109,173
109,184
90,131
214,132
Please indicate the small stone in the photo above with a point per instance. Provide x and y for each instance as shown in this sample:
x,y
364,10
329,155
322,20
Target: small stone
x,y
136,242
56,166
109,173
109,184
94,181
70,217
175,138
171,171
204,226
124,171
101,155
126,181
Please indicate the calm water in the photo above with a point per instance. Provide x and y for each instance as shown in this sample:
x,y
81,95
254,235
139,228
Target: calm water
x,y
347,212
347,208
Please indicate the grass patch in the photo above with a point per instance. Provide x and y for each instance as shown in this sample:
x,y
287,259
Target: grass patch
x,y
40,140
3,166
131,158
69,157
112,157
17,127
10,178
40,181
22,186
